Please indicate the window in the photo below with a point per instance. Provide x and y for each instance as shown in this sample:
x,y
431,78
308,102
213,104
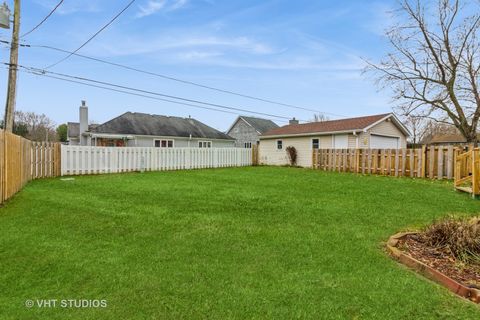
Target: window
x,y
161,143
279,144
248,145
204,144
315,143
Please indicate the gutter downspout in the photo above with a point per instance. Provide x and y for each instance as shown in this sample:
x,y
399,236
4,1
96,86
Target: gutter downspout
x,y
356,139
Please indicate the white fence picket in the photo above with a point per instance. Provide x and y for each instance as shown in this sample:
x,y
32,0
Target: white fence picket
x,y
80,160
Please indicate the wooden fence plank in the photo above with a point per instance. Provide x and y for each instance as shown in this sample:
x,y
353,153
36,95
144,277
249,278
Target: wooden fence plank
x,y
431,162
440,163
449,162
22,160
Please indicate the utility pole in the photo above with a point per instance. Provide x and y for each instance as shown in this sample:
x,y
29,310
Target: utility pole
x,y
12,71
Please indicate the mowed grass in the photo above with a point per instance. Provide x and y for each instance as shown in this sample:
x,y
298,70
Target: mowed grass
x,y
245,243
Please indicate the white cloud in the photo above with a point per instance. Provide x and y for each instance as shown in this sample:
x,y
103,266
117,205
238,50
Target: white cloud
x,y
198,55
150,8
136,45
154,6
177,4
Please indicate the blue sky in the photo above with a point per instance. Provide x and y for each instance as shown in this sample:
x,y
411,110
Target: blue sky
x,y
306,53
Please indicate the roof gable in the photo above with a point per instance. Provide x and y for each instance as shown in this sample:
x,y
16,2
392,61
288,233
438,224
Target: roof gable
x,y
157,125
260,125
342,125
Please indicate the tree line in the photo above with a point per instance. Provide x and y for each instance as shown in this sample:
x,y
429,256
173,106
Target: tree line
x,y
37,127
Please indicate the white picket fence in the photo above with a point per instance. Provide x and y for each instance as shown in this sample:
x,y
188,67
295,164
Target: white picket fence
x,y
78,160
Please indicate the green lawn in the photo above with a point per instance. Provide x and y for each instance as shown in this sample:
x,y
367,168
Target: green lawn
x,y
246,243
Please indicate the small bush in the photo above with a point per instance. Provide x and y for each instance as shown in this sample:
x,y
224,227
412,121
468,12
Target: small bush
x,y
461,237
292,155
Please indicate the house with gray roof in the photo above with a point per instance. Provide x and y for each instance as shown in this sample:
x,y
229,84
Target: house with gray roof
x,y
134,129
247,130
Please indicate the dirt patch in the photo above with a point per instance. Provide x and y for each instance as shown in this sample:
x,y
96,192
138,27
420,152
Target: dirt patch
x,y
441,259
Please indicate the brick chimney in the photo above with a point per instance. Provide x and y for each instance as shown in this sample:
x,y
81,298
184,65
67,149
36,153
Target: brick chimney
x,y
293,121
83,113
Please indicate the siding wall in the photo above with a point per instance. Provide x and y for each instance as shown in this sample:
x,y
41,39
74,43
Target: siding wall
x,y
352,141
364,140
386,128
178,142
243,133
268,153
325,142
389,129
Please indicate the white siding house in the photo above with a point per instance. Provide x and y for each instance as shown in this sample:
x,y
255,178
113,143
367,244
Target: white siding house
x,y
383,131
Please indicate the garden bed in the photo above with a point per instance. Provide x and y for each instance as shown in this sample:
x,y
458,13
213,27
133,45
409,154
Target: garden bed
x,y
437,264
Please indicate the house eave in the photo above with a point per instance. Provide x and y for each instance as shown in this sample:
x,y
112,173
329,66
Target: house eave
x,y
309,134
119,135
397,121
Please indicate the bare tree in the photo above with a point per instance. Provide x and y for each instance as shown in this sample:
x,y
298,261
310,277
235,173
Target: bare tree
x,y
39,126
434,68
320,117
434,128
417,126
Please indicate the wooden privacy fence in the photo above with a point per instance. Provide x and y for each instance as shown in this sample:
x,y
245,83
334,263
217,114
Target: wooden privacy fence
x,y
77,160
427,162
22,160
467,171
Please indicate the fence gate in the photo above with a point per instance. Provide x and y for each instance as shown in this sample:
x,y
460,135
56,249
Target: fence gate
x,y
467,171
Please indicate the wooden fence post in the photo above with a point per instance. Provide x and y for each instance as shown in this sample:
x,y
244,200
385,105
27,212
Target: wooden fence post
x,y
474,173
424,161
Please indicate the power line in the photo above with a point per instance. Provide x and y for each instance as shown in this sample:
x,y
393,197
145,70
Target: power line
x,y
44,19
134,94
186,81
179,80
45,72
93,36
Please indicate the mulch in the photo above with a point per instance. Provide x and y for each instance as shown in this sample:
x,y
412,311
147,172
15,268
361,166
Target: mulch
x,y
442,260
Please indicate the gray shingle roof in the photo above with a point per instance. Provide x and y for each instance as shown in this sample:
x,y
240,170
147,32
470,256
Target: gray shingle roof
x,y
156,125
328,126
261,125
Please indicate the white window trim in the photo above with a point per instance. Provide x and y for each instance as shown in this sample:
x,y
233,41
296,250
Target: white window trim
x,y
204,141
311,143
155,140
276,144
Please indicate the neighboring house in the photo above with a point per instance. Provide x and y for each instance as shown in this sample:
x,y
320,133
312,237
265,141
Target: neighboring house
x,y
246,130
135,129
383,131
447,139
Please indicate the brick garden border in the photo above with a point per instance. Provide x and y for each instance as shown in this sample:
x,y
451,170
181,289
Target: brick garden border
x,y
471,294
